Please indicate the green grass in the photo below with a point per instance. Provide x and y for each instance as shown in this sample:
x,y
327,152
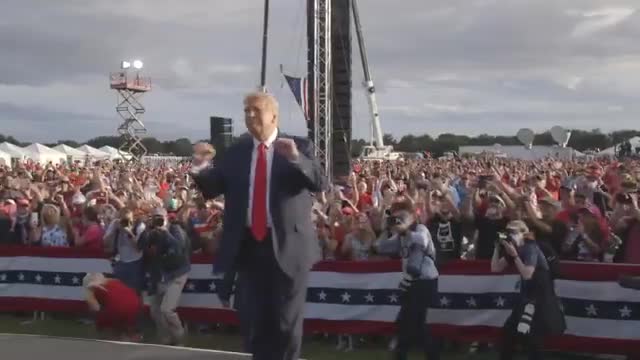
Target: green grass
x,y
313,349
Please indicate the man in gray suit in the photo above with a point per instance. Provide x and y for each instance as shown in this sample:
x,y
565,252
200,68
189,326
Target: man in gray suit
x,y
267,181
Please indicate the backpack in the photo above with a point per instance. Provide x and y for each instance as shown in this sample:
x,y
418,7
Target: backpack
x,y
553,260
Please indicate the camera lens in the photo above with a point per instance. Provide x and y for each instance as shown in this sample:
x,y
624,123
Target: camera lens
x,y
623,198
158,222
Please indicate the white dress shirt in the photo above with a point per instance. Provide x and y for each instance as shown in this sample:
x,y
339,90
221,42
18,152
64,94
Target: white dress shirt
x,y
252,175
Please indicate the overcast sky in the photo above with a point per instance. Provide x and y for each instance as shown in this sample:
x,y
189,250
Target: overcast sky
x,y
463,66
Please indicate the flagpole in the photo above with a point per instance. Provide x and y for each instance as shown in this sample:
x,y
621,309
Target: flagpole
x,y
263,72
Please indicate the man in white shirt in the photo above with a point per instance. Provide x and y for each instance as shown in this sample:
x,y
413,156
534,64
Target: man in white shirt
x,y
268,237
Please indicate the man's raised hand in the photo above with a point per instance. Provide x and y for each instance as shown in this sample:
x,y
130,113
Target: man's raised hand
x,y
287,148
203,153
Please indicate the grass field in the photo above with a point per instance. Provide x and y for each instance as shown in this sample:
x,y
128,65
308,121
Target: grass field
x,y
313,349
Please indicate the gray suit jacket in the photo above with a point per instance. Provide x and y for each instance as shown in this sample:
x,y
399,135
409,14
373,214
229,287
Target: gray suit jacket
x,y
291,196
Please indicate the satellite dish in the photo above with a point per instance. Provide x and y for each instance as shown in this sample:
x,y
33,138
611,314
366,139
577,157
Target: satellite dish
x,y
560,135
526,136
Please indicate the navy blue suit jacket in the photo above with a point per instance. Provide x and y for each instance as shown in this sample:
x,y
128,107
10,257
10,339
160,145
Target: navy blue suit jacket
x,y
290,199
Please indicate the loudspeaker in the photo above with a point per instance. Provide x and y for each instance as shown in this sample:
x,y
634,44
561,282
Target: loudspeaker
x,y
341,74
221,134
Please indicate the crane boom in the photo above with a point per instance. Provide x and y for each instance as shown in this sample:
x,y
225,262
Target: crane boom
x,y
368,81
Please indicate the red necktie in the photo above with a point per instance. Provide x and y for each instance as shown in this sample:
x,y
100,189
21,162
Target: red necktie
x,y
259,205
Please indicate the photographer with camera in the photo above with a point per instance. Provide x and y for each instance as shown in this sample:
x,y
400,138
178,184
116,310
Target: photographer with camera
x,y
625,222
536,311
419,286
122,235
167,254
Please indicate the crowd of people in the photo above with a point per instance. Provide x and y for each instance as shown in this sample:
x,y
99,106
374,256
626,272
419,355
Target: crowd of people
x,y
585,211
151,219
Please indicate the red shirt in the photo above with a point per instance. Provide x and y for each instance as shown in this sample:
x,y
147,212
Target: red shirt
x,y
364,199
164,188
119,306
93,235
553,186
339,234
564,216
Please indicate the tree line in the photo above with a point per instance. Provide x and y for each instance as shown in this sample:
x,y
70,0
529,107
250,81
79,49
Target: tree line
x,y
581,140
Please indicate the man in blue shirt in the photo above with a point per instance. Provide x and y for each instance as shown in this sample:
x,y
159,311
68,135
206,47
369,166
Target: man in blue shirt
x,y
419,286
167,253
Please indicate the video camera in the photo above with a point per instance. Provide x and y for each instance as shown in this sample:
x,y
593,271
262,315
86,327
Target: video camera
x,y
157,222
483,181
506,237
624,198
400,222
393,221
125,222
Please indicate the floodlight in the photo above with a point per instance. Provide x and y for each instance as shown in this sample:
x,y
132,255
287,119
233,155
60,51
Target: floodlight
x,y
125,64
137,64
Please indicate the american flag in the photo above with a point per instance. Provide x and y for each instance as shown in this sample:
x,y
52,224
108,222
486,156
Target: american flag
x,y
299,88
362,297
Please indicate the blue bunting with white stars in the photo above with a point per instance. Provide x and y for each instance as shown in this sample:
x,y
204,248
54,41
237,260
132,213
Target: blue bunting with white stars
x,y
581,308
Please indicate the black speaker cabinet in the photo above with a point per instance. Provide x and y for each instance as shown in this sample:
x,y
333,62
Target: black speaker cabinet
x,y
221,134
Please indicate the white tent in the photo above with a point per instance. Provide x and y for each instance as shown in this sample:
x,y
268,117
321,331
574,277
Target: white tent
x,y
72,154
612,151
522,153
14,151
42,154
93,152
5,159
114,153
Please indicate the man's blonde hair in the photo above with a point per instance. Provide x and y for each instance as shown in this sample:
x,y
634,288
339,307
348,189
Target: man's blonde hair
x,y
93,280
267,98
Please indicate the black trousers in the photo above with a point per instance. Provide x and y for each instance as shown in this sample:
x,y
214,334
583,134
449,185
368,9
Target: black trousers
x,y
271,306
532,342
411,322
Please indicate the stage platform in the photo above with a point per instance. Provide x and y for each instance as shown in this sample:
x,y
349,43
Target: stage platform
x,y
36,347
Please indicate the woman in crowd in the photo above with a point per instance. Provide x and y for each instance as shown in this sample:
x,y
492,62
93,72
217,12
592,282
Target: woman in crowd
x,y
91,233
122,235
536,312
50,233
625,222
586,239
326,243
358,244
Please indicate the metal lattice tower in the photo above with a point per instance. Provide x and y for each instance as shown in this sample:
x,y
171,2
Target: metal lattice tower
x,y
322,128
130,87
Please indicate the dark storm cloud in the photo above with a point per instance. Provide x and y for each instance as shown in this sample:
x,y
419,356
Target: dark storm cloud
x,y
514,35
64,43
41,116
438,65
47,125
51,45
